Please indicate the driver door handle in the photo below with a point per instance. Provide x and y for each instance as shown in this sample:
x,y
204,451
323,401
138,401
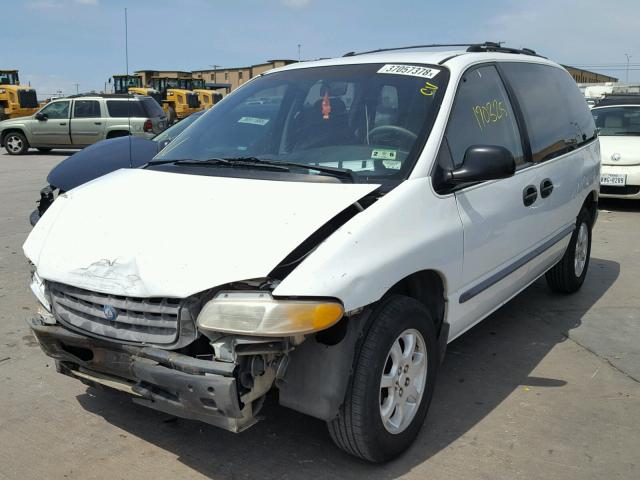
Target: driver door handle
x,y
63,123
529,195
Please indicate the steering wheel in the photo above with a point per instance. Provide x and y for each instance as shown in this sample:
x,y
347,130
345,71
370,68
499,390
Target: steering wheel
x,y
394,129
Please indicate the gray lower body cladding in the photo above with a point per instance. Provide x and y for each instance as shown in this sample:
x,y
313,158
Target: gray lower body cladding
x,y
176,384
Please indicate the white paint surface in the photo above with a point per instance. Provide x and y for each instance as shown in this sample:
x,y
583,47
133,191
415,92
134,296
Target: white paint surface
x,y
144,233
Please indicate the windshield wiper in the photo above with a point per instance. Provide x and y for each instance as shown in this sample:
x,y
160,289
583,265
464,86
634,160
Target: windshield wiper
x,y
255,162
333,171
222,162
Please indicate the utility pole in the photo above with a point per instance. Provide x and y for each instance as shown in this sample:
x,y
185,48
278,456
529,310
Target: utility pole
x,y
77,88
299,52
215,71
628,58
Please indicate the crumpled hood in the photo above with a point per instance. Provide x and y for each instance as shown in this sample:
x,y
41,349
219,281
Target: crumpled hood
x,y
145,233
627,149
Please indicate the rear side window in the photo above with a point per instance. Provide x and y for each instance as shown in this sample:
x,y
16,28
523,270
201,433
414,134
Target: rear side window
x,y
555,112
125,108
86,109
482,115
152,108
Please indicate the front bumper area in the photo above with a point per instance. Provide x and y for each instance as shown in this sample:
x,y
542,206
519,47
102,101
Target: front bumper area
x,y
173,383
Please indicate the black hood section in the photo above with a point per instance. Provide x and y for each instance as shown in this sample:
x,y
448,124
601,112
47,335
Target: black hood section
x,y
291,261
101,158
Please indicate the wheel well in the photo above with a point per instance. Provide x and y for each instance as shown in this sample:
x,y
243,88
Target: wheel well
x,y
591,205
428,287
7,132
117,133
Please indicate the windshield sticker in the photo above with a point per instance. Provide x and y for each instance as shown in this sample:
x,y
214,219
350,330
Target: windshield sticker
x,y
491,112
254,120
413,70
326,106
392,164
383,154
429,89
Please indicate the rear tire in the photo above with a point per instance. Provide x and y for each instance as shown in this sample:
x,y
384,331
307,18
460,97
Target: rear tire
x,y
568,275
44,150
15,143
171,115
375,422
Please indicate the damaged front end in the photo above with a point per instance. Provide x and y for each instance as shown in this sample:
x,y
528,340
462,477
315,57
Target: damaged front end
x,y
182,357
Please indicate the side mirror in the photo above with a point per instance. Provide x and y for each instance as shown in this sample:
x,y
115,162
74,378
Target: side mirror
x,y
483,162
41,116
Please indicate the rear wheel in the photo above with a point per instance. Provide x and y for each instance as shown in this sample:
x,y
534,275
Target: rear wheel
x,y
568,275
392,384
171,115
44,150
16,143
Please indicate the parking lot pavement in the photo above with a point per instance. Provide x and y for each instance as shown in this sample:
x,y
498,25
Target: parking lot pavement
x,y
546,388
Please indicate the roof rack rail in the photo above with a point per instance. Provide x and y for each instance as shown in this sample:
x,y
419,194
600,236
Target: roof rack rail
x,y
497,47
471,47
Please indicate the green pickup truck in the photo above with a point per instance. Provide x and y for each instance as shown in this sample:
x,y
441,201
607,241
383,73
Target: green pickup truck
x,y
81,120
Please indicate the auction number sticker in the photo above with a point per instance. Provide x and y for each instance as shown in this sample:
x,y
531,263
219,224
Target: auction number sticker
x,y
413,70
254,120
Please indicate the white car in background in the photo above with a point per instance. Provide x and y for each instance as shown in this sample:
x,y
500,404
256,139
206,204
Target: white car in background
x,y
618,121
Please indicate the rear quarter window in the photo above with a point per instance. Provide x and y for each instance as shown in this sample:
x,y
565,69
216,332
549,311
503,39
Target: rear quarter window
x,y
125,108
556,114
152,108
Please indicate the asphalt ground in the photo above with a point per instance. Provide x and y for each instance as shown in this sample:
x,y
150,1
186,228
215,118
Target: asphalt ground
x,y
546,388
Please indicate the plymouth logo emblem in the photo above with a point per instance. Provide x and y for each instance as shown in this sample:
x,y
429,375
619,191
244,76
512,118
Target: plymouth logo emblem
x,y
110,313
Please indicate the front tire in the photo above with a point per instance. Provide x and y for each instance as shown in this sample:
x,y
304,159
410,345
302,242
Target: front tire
x,y
392,384
568,275
15,143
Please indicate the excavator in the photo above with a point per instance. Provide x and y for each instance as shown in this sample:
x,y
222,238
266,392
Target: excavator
x,y
15,100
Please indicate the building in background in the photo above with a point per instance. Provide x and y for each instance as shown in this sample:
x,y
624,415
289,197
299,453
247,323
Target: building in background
x,y
236,76
585,76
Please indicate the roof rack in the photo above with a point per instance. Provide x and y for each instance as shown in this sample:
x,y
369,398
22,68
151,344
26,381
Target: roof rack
x,y
104,95
471,47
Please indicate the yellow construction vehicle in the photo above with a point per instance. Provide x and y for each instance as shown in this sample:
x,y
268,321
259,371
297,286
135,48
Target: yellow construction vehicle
x,y
133,84
15,100
178,101
207,96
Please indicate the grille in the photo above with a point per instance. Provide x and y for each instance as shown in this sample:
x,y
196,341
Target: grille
x,y
150,321
27,98
627,190
192,100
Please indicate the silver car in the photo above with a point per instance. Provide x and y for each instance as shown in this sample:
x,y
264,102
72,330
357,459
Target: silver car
x,y
79,121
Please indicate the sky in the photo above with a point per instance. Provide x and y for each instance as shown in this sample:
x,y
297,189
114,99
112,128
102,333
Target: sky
x,y
58,43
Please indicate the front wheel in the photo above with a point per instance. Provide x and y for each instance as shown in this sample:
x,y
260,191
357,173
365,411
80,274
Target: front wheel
x,y
15,143
568,275
392,383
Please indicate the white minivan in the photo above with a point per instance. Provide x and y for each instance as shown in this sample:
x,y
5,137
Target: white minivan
x,y
323,232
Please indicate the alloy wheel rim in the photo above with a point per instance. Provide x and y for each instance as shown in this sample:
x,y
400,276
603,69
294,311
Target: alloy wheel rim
x,y
582,243
14,144
403,381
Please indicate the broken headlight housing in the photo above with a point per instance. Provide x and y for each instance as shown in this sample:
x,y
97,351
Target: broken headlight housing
x,y
39,289
258,313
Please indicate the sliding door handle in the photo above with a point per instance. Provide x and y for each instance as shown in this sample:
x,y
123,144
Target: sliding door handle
x,y
546,187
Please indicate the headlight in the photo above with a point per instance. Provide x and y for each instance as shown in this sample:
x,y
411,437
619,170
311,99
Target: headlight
x,y
39,289
258,313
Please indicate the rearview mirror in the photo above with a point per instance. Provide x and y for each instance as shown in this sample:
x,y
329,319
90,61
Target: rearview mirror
x,y
41,116
483,162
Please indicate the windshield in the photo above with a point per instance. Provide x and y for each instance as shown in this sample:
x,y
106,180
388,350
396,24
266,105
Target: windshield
x,y
372,119
8,78
612,121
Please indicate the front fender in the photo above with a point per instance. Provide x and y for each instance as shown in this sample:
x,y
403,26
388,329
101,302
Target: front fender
x,y
408,230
